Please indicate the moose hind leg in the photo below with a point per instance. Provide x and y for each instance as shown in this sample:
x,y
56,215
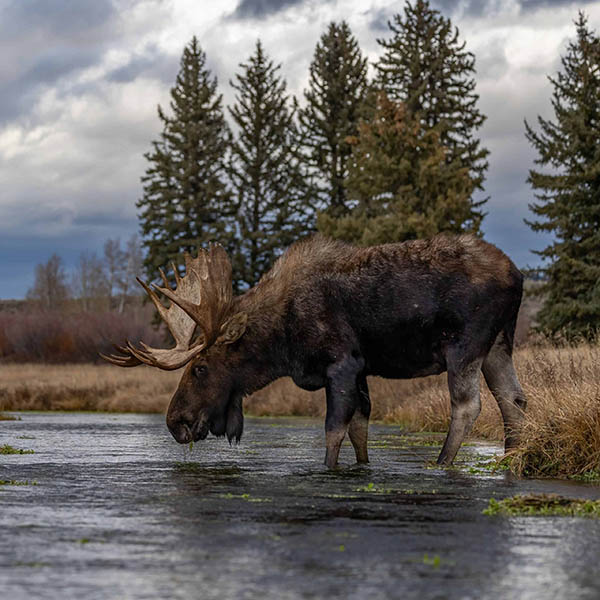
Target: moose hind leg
x,y
501,378
343,400
463,384
359,425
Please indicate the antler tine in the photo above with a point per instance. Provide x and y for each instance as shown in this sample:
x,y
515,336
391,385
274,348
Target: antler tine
x,y
176,273
121,361
163,277
209,276
155,299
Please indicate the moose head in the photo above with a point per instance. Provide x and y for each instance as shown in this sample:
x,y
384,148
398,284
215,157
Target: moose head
x,y
203,322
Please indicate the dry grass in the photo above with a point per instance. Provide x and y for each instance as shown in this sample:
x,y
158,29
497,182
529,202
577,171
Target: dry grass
x,y
85,387
561,433
560,437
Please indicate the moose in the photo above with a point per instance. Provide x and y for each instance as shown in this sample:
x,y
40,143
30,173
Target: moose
x,y
329,314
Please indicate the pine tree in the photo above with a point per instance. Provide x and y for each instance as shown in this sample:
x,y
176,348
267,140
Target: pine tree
x,y
337,90
426,66
569,191
186,203
271,189
402,181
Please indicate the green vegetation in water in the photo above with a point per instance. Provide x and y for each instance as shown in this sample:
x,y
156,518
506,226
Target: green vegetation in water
x,y
14,482
433,561
84,541
246,497
6,449
592,476
401,442
543,505
493,466
4,417
191,445
373,489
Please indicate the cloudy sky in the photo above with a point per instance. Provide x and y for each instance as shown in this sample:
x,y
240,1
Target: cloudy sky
x,y
81,80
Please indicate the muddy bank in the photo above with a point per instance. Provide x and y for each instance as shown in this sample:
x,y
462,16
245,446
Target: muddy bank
x,y
109,506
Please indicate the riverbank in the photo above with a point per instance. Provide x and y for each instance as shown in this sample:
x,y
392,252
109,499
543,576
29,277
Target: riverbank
x,y
561,435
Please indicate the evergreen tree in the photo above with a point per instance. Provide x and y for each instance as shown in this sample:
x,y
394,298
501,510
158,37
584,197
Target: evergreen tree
x,y
186,203
337,90
271,189
569,191
402,180
426,66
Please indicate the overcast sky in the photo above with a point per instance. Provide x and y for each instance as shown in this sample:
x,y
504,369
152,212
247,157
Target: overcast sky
x,y
81,80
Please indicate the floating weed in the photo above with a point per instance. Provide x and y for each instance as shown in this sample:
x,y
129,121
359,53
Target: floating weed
x,y
341,496
373,489
543,505
341,548
26,437
492,466
420,440
6,449
592,476
246,497
4,417
433,561
84,541
191,467
14,482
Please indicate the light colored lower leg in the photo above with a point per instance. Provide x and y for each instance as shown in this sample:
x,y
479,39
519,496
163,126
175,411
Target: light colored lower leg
x,y
501,378
333,441
466,405
358,432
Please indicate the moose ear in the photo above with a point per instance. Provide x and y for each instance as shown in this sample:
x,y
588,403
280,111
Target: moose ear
x,y
233,329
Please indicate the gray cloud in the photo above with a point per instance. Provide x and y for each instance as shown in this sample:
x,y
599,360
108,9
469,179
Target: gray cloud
x,y
257,9
151,62
63,17
531,5
44,41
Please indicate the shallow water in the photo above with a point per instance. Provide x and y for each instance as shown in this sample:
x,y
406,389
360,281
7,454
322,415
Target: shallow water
x,y
121,511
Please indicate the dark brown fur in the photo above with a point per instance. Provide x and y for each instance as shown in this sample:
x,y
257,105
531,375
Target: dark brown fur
x,y
328,314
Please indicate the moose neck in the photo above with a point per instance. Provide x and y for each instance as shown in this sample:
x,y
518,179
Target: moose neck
x,y
264,343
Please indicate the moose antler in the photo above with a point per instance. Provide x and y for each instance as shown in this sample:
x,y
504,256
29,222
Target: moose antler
x,y
202,297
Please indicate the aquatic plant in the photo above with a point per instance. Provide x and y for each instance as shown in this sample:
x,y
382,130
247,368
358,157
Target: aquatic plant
x,y
433,561
6,449
543,505
5,417
491,465
14,482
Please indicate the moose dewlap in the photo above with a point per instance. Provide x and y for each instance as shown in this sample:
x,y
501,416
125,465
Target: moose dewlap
x,y
328,314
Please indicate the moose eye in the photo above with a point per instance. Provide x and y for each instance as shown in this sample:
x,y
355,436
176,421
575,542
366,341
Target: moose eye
x,y
199,370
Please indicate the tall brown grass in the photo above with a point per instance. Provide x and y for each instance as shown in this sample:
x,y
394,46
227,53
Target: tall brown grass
x,y
85,387
560,435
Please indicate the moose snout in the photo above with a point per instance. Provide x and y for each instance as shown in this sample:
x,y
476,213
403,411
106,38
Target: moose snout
x,y
180,425
179,429
186,428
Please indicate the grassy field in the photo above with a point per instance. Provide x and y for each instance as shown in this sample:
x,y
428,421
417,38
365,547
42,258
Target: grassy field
x,y
560,437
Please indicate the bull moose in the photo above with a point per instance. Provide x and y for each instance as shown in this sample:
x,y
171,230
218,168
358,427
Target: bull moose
x,y
328,314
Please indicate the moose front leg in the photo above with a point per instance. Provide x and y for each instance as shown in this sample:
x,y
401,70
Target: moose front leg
x,y
343,399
